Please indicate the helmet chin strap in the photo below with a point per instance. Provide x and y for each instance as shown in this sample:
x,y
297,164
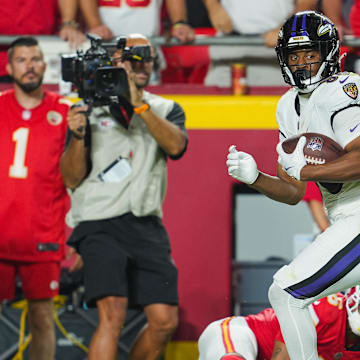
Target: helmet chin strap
x,y
300,76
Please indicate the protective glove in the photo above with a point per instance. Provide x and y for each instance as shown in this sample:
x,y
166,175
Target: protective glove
x,y
241,166
294,162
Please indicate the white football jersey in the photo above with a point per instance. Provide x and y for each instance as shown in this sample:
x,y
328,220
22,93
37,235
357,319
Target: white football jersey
x,y
257,17
332,109
131,16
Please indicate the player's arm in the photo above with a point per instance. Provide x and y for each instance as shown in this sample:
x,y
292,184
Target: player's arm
x,y
346,168
280,352
74,162
346,126
168,135
282,187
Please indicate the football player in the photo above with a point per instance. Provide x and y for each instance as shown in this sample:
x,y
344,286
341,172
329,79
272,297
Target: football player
x,y
336,319
33,200
321,100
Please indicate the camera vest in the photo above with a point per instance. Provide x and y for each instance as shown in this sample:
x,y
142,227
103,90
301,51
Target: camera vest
x,y
128,168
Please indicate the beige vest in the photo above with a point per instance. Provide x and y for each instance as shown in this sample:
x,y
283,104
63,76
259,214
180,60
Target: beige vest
x,y
142,191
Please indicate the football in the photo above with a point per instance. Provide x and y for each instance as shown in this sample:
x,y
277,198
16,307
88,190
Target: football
x,y
319,149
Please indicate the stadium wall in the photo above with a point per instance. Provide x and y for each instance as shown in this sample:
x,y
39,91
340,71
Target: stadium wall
x,y
198,206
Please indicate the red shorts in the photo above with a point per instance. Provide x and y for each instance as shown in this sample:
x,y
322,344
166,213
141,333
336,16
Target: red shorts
x,y
38,280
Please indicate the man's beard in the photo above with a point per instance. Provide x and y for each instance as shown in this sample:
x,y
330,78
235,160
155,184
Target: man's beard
x,y
29,87
142,85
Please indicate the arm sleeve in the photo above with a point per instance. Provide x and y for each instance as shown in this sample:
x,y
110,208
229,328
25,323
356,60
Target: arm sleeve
x,y
346,124
177,116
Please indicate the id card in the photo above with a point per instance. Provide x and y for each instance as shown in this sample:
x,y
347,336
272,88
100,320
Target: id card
x,y
116,171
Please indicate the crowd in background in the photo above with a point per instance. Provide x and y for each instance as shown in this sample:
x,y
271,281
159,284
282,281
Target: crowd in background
x,y
180,19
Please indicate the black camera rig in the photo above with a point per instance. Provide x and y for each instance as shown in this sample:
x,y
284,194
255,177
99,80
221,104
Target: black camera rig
x,y
98,82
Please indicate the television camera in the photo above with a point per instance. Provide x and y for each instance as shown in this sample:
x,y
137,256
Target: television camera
x,y
98,82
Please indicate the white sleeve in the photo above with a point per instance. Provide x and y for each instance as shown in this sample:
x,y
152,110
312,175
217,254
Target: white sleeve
x,y
346,125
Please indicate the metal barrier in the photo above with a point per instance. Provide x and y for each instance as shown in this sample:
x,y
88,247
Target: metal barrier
x,y
262,64
240,40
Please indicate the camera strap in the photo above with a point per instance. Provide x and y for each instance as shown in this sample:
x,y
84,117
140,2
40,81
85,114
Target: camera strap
x,y
122,111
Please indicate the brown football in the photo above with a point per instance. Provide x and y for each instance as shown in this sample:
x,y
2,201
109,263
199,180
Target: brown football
x,y
319,149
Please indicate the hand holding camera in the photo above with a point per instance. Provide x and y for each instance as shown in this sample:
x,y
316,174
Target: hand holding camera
x,y
76,120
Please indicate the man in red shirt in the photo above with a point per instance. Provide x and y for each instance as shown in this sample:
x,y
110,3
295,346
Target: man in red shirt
x,y
38,17
336,318
33,199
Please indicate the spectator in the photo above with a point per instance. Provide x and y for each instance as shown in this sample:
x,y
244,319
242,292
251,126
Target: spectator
x,y
38,18
264,17
118,184
33,200
314,200
114,18
254,17
259,337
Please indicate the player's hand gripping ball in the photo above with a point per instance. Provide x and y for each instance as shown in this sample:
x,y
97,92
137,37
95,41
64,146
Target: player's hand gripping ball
x,y
319,149
307,148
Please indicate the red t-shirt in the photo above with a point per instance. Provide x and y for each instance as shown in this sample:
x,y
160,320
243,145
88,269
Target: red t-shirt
x,y
312,192
355,18
33,199
27,17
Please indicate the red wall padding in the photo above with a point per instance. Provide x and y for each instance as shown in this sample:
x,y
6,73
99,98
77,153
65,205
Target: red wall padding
x,y
198,216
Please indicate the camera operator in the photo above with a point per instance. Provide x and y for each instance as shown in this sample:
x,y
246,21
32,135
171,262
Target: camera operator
x,y
115,166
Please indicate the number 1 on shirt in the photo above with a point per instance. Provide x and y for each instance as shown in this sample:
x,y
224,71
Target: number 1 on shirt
x,y
18,168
